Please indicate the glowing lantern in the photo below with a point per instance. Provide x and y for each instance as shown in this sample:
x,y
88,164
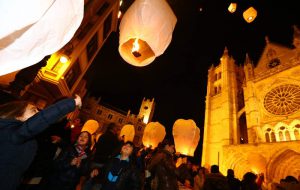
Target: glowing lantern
x,y
186,136
90,126
33,29
250,14
147,25
154,133
128,132
232,7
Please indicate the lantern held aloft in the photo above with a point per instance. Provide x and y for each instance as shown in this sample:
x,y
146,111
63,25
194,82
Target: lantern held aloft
x,y
90,126
146,31
33,29
127,132
154,133
186,136
250,14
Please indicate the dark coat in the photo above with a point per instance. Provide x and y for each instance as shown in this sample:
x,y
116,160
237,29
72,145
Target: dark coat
x,y
17,143
66,176
163,171
215,181
128,176
107,146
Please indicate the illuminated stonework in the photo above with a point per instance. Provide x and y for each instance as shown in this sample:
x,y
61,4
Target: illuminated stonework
x,y
283,100
253,124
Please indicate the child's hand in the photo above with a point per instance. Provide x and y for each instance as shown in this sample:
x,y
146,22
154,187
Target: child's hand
x,y
76,162
78,101
94,173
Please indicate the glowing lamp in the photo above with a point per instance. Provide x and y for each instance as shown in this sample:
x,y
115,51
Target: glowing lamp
x,y
154,133
63,59
147,24
232,7
128,132
33,29
186,136
90,126
250,14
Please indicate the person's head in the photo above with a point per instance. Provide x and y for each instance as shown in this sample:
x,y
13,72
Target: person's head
x,y
112,127
249,178
84,139
167,145
230,173
127,149
291,179
214,169
19,110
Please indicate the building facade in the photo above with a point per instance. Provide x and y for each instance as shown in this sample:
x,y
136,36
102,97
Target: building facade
x,y
104,114
64,71
252,114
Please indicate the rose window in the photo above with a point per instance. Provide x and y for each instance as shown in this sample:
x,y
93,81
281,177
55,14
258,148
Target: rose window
x,y
283,100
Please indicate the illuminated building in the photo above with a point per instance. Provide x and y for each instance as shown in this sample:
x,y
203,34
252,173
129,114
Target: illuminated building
x,y
252,114
63,74
104,114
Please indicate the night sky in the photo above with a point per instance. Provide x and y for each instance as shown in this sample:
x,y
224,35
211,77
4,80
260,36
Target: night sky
x,y
177,79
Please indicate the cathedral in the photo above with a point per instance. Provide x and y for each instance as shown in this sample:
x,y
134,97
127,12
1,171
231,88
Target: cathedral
x,y
252,114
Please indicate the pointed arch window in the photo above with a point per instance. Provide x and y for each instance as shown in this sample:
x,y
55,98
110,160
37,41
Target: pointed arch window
x,y
297,135
273,138
267,137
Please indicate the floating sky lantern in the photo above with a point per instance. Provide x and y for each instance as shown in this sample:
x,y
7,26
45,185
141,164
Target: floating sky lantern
x,y
186,136
250,14
154,133
33,29
146,31
128,132
232,7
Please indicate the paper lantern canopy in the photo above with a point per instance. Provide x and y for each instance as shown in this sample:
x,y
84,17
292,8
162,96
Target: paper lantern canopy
x,y
128,132
90,126
186,136
33,29
146,31
232,7
154,133
250,14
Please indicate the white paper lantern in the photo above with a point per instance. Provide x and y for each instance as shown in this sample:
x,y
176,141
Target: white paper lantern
x,y
154,133
232,7
32,29
186,136
149,23
128,132
90,126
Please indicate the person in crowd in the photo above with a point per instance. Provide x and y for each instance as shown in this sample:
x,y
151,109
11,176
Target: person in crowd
x,y
199,179
249,182
71,164
75,127
215,180
20,122
162,167
107,145
185,172
120,173
233,182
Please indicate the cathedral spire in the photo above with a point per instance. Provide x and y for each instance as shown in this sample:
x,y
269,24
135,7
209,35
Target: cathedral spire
x,y
247,59
267,39
296,40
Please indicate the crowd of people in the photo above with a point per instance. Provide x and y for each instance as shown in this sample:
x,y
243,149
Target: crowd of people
x,y
44,144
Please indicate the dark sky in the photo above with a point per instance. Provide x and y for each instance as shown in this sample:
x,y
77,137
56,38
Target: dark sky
x,y
177,79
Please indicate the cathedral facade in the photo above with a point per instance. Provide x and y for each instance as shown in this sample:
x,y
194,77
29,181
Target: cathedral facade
x,y
252,114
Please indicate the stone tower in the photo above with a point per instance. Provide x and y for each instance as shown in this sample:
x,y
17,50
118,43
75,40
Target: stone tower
x,y
146,110
221,101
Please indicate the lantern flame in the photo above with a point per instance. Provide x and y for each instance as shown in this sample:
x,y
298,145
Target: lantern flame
x,y
135,48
